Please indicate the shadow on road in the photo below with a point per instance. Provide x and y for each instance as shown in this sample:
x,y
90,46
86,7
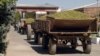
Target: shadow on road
x,y
60,50
31,42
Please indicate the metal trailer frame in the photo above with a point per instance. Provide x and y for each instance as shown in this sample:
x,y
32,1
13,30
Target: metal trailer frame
x,y
52,39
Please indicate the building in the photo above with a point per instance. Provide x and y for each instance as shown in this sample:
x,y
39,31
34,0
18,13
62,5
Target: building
x,y
92,10
36,9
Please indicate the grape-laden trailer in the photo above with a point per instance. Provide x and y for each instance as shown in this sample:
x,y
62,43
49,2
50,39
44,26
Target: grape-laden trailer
x,y
58,32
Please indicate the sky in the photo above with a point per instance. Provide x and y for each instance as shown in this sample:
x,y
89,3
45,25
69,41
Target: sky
x,y
63,4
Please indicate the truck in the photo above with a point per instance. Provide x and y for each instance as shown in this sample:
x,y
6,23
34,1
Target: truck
x,y
24,27
59,32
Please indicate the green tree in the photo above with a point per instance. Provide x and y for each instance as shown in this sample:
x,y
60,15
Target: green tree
x,y
7,11
30,15
17,16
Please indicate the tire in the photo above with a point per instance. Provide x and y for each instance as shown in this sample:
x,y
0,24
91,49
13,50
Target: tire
x,y
52,47
29,32
74,43
19,31
87,46
39,39
45,42
36,38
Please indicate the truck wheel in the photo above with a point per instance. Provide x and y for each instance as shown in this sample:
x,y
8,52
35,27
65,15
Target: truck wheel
x,y
29,32
87,46
74,43
28,36
35,38
45,41
19,31
39,39
52,47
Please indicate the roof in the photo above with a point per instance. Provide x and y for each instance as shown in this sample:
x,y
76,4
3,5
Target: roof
x,y
94,5
87,6
30,5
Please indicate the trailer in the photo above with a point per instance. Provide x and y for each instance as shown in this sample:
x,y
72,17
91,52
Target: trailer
x,y
38,28
59,32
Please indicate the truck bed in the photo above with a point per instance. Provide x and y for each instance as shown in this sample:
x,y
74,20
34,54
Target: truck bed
x,y
67,26
71,26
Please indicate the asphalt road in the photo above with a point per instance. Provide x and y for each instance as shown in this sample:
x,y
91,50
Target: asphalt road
x,y
19,46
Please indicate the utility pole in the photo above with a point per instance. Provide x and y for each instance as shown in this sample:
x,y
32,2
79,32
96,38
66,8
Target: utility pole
x,y
98,9
98,18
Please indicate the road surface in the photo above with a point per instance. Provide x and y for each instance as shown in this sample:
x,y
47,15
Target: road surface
x,y
19,46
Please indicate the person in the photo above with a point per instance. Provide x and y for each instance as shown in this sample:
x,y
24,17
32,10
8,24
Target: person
x,y
21,27
15,26
25,28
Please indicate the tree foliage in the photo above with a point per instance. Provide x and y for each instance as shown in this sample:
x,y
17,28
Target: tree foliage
x,y
30,15
17,16
7,11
